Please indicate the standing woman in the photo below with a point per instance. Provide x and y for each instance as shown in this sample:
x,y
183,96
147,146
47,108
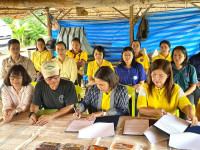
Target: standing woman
x,y
40,56
129,71
67,65
93,66
164,51
184,74
160,94
106,98
17,92
80,56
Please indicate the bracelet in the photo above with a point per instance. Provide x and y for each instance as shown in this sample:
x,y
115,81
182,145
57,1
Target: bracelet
x,y
31,114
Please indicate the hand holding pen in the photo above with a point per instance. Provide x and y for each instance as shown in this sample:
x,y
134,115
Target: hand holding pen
x,y
77,113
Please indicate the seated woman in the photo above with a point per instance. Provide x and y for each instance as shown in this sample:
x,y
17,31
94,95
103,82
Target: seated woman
x,y
164,51
129,71
184,74
106,98
17,92
93,66
139,57
80,56
67,65
160,94
40,56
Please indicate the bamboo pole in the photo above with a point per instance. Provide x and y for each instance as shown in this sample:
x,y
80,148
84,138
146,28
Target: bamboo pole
x,y
131,30
48,22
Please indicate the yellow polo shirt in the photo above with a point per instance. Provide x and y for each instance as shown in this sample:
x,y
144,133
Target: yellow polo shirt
x,y
169,57
158,99
93,67
39,58
199,101
144,60
105,104
82,55
68,69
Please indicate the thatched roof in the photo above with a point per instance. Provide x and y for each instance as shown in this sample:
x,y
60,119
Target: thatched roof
x,y
89,9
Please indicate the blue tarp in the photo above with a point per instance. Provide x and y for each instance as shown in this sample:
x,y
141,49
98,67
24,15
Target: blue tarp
x,y
180,27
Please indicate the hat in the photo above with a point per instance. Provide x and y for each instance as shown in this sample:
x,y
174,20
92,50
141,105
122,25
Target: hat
x,y
50,68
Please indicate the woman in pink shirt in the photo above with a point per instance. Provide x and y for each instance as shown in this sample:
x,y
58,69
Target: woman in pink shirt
x,y
17,92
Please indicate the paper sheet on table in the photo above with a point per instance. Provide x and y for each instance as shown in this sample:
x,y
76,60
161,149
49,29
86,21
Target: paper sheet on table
x,y
171,124
135,126
76,125
97,130
154,135
185,141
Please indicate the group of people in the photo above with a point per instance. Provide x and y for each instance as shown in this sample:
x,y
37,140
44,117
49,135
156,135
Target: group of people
x,y
170,84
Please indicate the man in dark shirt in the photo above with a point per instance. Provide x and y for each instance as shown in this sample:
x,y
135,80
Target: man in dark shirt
x,y
195,61
52,93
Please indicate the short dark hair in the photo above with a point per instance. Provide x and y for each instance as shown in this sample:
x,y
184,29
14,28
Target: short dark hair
x,y
61,42
99,49
166,42
137,41
41,40
184,51
76,39
13,41
106,74
133,63
18,70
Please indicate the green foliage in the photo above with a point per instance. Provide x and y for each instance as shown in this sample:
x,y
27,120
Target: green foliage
x,y
27,30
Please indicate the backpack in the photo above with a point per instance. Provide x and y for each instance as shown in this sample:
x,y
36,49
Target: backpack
x,y
143,30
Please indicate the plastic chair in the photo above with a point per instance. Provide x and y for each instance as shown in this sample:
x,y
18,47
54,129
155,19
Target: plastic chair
x,y
131,92
80,92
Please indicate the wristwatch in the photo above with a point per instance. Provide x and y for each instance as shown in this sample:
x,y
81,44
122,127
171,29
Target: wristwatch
x,y
104,112
31,114
16,112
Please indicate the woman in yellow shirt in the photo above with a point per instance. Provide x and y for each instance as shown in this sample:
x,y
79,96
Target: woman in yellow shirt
x,y
160,94
106,98
40,56
164,51
93,66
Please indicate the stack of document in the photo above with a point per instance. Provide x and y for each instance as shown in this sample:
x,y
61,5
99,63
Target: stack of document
x,y
176,130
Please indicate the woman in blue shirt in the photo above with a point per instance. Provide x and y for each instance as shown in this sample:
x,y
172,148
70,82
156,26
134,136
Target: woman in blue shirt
x,y
184,74
129,71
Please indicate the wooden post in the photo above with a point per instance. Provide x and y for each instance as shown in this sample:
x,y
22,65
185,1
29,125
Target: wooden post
x,y
48,22
131,30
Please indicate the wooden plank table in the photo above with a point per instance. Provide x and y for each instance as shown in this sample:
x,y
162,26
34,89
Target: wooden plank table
x,y
54,132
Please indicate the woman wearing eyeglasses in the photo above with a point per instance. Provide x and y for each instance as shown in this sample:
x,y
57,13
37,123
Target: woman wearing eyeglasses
x,y
17,92
161,95
67,65
164,51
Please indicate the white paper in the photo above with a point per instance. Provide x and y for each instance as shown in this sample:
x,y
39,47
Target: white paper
x,y
171,124
97,130
135,126
154,135
185,140
76,125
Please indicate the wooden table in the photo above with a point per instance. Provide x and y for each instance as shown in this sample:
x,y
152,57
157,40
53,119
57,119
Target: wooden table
x,y
54,132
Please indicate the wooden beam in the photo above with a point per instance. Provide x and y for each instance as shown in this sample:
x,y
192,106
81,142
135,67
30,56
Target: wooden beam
x,y
120,12
131,34
65,14
194,5
59,14
134,23
97,12
38,19
48,22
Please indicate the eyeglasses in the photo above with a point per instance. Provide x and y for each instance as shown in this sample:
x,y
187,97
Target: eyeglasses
x,y
164,47
160,76
61,49
15,77
127,55
53,77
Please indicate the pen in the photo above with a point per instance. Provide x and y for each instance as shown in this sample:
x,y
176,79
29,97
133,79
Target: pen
x,y
76,111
